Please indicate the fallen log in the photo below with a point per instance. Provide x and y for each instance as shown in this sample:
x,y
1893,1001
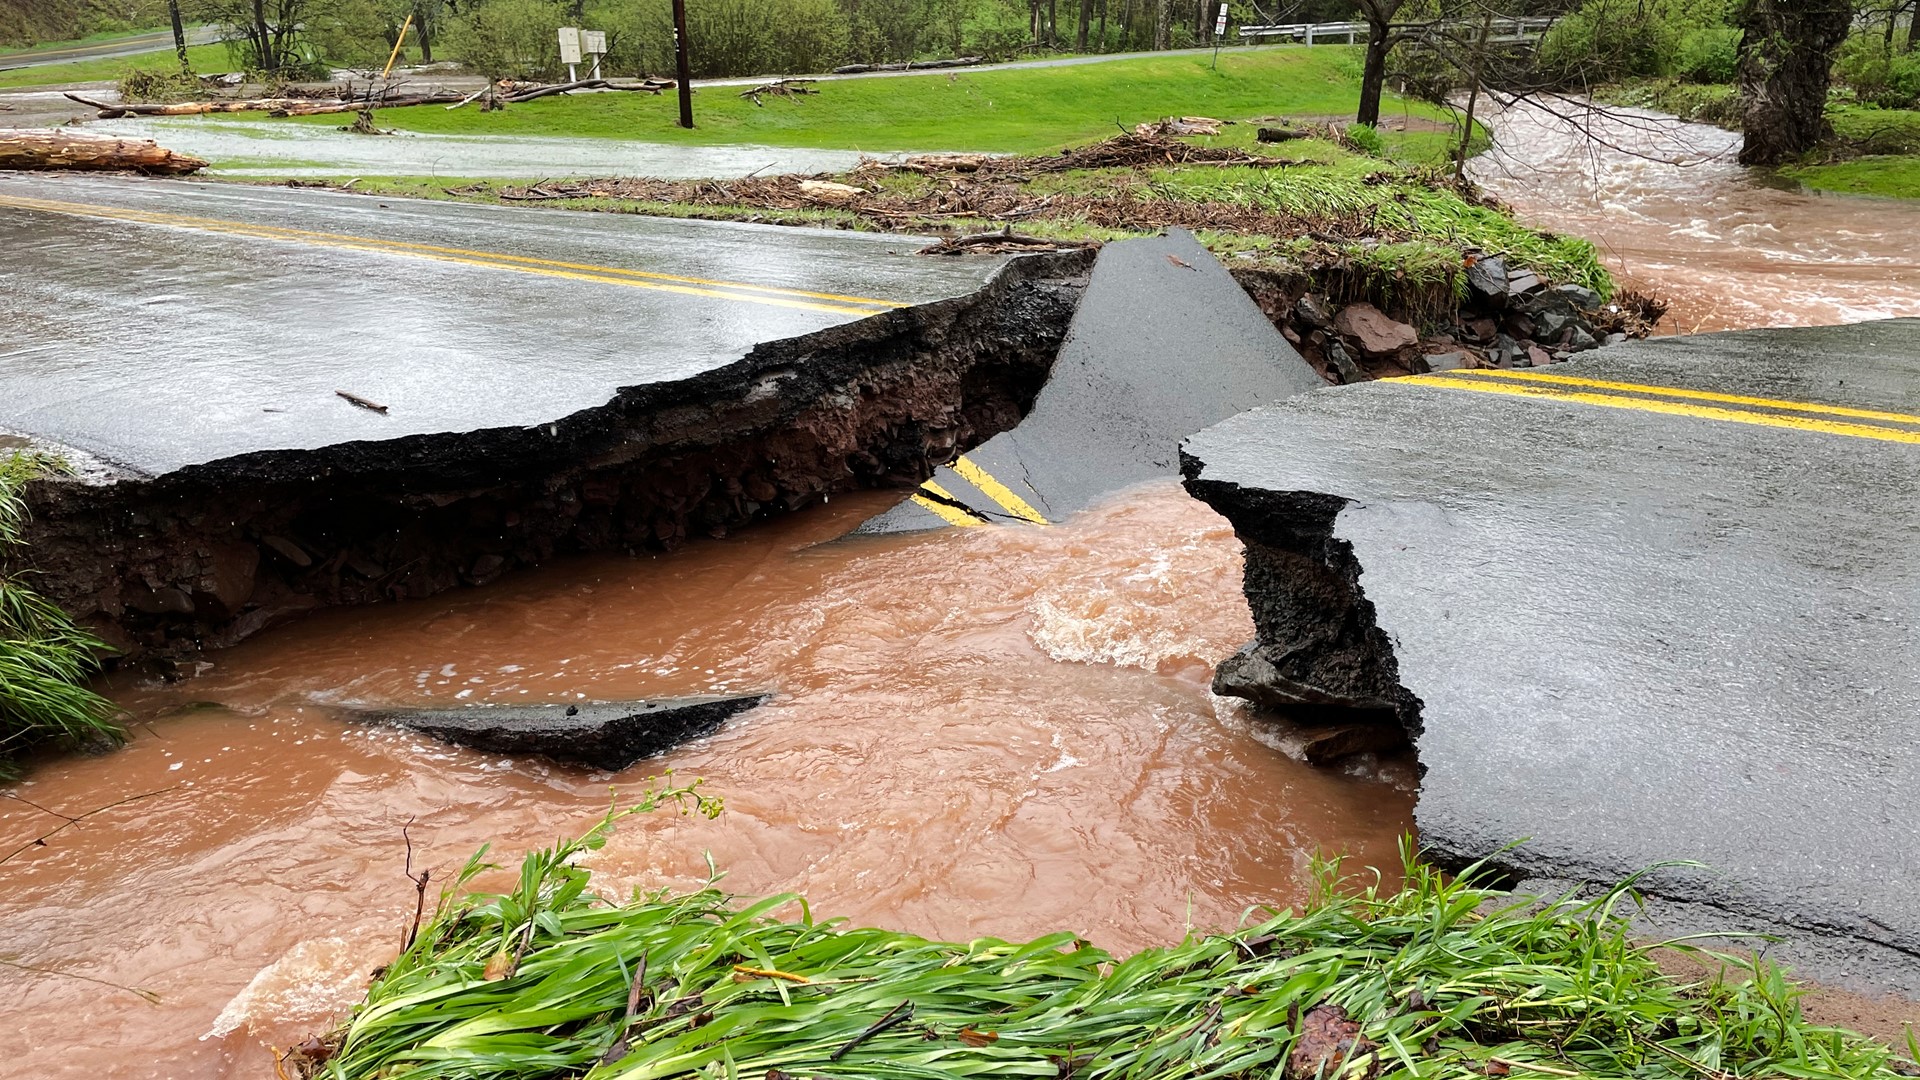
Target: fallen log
x,y
61,148
280,106
917,65
650,86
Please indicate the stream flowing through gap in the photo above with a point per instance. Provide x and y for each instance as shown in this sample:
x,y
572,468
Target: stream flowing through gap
x,y
1729,247
1002,731
982,732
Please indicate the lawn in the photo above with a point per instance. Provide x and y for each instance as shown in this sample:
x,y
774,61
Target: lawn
x,y
1016,111
14,52
206,59
1895,176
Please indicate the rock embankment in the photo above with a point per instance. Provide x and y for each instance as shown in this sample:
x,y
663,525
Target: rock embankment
x,y
1509,319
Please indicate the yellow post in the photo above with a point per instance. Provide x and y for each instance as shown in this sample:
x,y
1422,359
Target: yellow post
x,y
397,42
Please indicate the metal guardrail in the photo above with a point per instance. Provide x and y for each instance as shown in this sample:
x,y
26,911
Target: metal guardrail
x,y
1526,29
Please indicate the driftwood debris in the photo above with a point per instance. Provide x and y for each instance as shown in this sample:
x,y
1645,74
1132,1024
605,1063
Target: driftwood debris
x,y
917,65
1176,126
1001,242
363,402
280,106
62,148
780,88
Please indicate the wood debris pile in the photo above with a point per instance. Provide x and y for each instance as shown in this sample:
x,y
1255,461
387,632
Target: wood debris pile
x,y
352,99
780,88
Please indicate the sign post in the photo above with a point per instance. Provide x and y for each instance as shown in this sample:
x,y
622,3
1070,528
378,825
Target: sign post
x,y
594,44
1219,35
570,51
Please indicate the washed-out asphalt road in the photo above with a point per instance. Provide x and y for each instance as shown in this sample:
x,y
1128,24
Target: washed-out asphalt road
x,y
1663,603
159,324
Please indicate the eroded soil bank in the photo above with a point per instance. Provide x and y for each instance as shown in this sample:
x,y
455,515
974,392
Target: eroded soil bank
x,y
208,555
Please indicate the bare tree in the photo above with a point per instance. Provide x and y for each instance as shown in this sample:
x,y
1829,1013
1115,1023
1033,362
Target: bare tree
x,y
1786,57
1381,37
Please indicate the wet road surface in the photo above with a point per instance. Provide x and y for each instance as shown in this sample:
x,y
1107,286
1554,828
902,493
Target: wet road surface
x,y
107,50
159,324
1658,604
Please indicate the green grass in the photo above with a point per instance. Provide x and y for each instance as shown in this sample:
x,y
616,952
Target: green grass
x,y
1893,176
44,658
108,37
206,60
1444,978
1024,110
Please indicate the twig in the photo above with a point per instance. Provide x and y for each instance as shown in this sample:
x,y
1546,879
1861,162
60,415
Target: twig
x,y
363,402
150,997
69,822
620,1046
899,1014
419,886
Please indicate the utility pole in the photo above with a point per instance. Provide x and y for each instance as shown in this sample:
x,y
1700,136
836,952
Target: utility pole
x,y
680,62
179,37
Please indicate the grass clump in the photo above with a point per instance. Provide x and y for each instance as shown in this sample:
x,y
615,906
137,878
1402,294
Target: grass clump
x,y
44,658
1443,978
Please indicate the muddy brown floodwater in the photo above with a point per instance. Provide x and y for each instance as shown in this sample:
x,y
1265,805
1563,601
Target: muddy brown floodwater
x,y
1674,215
997,731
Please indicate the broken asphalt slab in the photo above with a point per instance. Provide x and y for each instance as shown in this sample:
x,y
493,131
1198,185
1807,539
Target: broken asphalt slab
x,y
606,735
1164,343
305,399
1658,604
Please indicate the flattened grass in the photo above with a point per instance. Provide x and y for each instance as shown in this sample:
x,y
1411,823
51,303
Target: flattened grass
x,y
1445,978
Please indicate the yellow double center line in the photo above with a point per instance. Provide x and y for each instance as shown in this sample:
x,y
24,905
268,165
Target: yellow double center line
x,y
834,303
947,508
1674,401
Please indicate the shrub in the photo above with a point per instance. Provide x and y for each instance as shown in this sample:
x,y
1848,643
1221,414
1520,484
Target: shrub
x,y
1610,40
1366,139
1710,54
44,658
508,39
1877,75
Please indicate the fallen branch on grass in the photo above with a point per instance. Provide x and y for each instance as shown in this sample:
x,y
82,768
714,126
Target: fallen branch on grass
x,y
779,88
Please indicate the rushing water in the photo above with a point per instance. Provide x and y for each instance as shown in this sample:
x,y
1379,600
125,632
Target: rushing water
x,y
1675,216
989,731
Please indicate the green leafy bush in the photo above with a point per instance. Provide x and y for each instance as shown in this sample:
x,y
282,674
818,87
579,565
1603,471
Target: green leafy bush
x,y
1877,75
44,658
1709,54
1609,40
1366,139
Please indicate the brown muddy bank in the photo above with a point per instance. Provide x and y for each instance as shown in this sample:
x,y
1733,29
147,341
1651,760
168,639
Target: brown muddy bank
x,y
210,554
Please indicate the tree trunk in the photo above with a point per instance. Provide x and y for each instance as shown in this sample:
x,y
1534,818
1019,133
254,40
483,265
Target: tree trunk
x,y
1080,32
268,58
1373,76
1913,29
426,33
1786,54
179,37
1103,27
63,148
1053,24
1162,24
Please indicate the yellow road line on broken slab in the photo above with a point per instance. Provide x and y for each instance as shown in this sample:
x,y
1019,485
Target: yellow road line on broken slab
x,y
1691,395
726,290
998,492
946,512
1669,408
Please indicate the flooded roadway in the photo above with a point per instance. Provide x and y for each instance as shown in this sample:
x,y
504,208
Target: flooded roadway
x,y
1675,216
985,731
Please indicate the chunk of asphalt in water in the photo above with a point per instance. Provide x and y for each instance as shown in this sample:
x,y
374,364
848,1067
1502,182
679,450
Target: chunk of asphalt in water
x,y
609,735
1164,343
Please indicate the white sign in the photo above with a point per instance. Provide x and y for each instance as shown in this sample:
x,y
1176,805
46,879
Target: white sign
x,y
569,45
593,42
1220,24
